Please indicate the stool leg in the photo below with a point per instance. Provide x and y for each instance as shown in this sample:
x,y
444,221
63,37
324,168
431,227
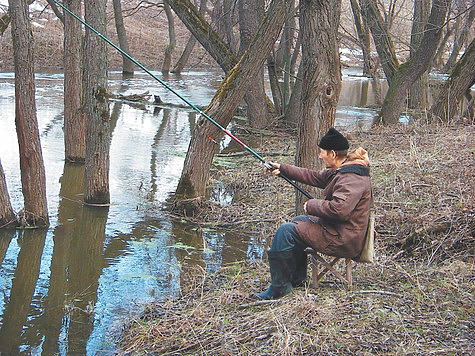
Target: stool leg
x,y
349,274
314,264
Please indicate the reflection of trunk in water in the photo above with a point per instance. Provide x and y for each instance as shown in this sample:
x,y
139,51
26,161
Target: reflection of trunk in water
x,y
85,267
69,211
23,286
5,238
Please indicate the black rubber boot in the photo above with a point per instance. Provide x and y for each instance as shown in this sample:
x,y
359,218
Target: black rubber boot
x,y
300,275
282,266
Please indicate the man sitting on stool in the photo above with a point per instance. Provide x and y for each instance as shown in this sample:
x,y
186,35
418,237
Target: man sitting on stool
x,y
334,225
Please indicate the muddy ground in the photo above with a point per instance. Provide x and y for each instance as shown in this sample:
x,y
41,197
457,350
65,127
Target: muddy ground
x,y
417,298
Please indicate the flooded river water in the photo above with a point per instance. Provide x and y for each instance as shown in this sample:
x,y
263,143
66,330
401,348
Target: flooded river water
x,y
68,289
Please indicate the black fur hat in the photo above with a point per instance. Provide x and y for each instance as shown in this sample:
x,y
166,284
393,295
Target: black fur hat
x,y
333,140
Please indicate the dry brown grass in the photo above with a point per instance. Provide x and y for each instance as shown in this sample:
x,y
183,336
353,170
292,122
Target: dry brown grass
x,y
416,299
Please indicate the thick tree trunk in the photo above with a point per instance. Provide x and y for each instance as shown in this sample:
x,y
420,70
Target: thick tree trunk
x,y
321,80
381,38
410,71
127,64
167,58
200,28
31,159
7,215
201,150
419,91
251,13
96,177
461,79
74,120
180,64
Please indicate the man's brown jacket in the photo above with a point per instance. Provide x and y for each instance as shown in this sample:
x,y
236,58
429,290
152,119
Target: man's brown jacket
x,y
341,217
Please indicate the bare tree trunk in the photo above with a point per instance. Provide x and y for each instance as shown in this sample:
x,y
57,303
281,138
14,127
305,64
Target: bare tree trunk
x,y
200,28
7,215
251,13
180,64
381,37
227,20
96,177
274,84
56,11
167,59
419,91
74,120
460,40
31,159
362,31
461,79
410,71
200,154
321,79
127,64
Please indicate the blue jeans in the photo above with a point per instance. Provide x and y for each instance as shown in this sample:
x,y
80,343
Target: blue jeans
x,y
287,238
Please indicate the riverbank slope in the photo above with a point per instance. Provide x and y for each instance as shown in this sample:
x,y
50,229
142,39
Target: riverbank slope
x,y
416,299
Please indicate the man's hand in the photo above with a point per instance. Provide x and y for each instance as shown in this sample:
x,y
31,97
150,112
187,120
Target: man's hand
x,y
276,171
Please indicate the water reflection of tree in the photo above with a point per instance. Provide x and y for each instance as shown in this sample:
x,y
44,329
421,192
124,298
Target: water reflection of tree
x,y
76,265
23,287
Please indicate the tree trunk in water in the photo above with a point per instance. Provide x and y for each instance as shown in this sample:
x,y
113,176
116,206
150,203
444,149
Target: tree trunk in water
x,y
251,13
127,64
180,64
167,58
461,79
96,177
74,120
381,37
321,80
7,215
419,91
201,150
410,71
31,159
200,28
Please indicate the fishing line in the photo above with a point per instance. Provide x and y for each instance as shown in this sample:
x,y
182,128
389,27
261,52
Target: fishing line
x,y
194,107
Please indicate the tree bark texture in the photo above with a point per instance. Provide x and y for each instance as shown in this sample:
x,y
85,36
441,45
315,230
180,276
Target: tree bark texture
x,y
419,91
31,158
200,28
381,38
74,120
251,13
98,136
410,71
167,58
127,64
7,215
461,79
321,80
201,150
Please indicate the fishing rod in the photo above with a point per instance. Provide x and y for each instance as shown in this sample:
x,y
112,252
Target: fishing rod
x,y
267,164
